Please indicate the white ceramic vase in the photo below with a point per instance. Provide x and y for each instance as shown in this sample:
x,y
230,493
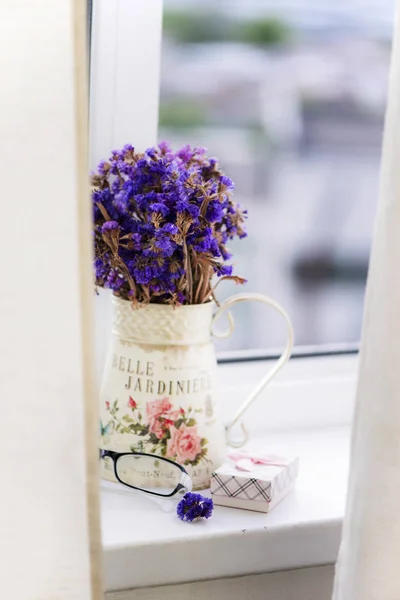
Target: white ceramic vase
x,y
159,391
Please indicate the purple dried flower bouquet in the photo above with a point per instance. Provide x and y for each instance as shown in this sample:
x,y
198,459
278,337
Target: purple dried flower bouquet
x,y
162,220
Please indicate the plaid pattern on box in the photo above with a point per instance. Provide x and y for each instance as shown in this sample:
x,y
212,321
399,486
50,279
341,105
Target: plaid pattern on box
x,y
259,488
240,487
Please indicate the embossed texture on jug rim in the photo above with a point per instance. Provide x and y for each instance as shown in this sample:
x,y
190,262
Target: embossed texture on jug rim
x,y
162,324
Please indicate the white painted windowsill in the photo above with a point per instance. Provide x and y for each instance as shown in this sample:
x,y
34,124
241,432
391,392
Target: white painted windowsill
x,y
306,412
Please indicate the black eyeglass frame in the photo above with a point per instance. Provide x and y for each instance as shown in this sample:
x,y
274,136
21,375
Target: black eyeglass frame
x,y
184,484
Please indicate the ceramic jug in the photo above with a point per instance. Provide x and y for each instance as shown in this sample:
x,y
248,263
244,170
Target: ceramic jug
x,y
159,393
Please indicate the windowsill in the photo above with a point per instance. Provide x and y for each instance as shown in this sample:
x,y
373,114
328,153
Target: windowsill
x,y
145,545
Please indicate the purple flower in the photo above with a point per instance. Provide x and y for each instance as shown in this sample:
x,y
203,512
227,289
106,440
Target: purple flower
x,y
202,241
153,217
121,201
225,254
164,243
151,152
223,270
114,280
170,228
136,239
185,153
100,269
185,206
214,211
103,167
143,275
109,226
165,148
157,207
194,507
128,148
227,182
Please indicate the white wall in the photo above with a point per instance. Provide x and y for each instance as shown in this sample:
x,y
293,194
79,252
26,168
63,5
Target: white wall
x,y
49,455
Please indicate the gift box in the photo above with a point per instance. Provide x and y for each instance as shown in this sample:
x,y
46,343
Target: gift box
x,y
254,482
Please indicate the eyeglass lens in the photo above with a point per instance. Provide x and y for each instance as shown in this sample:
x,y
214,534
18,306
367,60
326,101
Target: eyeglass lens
x,y
148,473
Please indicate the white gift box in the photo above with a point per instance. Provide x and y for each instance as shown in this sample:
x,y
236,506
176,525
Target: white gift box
x,y
246,483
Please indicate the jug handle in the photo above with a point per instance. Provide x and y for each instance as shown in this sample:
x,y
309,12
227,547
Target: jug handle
x,y
226,305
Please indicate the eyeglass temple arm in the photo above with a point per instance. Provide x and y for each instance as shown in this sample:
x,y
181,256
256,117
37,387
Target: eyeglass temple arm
x,y
107,454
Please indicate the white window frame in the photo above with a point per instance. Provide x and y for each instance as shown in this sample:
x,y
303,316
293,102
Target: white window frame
x,y
125,78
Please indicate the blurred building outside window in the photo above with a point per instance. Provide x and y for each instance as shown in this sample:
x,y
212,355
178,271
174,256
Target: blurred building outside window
x,y
290,96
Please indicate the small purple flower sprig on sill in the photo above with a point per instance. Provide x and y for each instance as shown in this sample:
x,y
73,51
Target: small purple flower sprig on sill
x,y
194,507
162,220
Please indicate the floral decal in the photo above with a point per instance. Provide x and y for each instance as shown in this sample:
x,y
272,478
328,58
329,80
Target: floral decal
x,y
165,430
184,444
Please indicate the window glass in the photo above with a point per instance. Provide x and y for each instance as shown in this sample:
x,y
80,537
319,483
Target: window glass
x,y
290,96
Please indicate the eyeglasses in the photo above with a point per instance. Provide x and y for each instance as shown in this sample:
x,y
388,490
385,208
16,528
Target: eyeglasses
x,y
147,473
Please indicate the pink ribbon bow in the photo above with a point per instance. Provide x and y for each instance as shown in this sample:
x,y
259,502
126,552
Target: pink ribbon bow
x,y
244,461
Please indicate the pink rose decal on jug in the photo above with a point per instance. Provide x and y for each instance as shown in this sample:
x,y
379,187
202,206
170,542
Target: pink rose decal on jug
x,y
184,444
161,416
166,431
